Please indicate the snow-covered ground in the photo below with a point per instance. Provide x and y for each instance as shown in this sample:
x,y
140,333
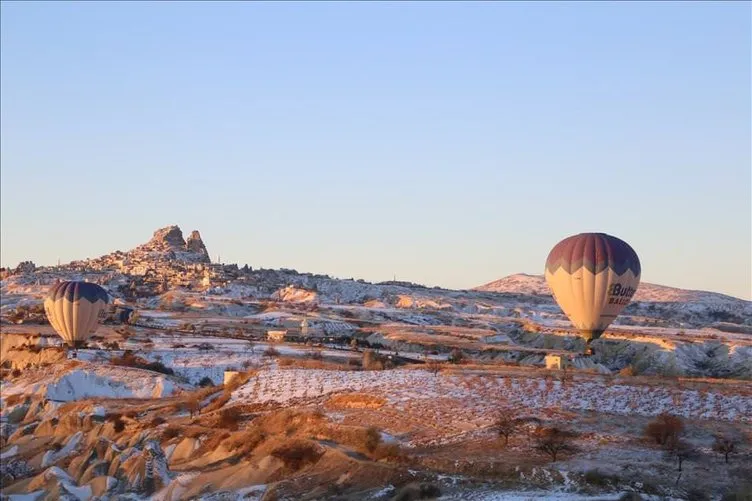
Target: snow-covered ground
x,y
92,380
478,398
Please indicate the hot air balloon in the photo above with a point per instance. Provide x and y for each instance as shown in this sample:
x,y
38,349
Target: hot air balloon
x,y
74,310
593,276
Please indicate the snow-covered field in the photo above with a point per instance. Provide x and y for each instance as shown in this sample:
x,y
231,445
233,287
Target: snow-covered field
x,y
457,402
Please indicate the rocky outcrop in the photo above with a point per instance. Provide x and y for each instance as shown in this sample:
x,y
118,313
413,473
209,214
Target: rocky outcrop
x,y
169,240
144,470
195,245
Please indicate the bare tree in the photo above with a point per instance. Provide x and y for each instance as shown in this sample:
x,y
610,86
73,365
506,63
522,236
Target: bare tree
x,y
724,444
434,366
681,451
554,440
193,406
509,422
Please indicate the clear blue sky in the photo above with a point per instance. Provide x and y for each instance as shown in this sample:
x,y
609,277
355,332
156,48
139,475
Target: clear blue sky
x,y
447,143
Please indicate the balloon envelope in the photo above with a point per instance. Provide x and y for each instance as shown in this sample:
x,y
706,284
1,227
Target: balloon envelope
x,y
593,276
74,308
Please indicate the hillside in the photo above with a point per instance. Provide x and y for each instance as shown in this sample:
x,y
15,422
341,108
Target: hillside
x,y
373,391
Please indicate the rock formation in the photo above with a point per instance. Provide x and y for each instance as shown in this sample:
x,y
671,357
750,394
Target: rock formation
x,y
195,245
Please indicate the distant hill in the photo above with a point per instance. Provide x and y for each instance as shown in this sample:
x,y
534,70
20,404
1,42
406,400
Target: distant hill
x,y
522,283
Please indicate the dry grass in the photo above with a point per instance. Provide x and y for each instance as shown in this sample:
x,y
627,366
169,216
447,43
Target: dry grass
x,y
308,363
216,404
246,441
355,401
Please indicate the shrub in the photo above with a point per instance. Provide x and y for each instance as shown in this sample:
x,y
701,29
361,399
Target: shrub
x,y
271,352
157,421
245,443
129,359
316,355
681,451
247,364
217,403
741,493
206,381
664,429
297,453
373,439
388,452
601,479
724,445
434,366
415,491
506,424
628,371
14,399
372,361
193,406
553,441
456,356
697,494
230,417
171,431
119,425
15,373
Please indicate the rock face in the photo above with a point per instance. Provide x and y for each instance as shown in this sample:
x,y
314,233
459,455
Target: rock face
x,y
167,238
195,244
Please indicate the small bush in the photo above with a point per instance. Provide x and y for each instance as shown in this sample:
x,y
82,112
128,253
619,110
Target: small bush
x,y
456,356
129,359
15,373
119,425
247,442
741,493
415,491
170,432
217,403
297,453
697,494
553,441
230,417
14,399
724,445
664,429
373,361
601,479
388,452
271,352
157,421
373,439
628,371
316,355
205,381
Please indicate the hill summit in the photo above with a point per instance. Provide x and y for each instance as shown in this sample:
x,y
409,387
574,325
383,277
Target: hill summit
x,y
169,240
